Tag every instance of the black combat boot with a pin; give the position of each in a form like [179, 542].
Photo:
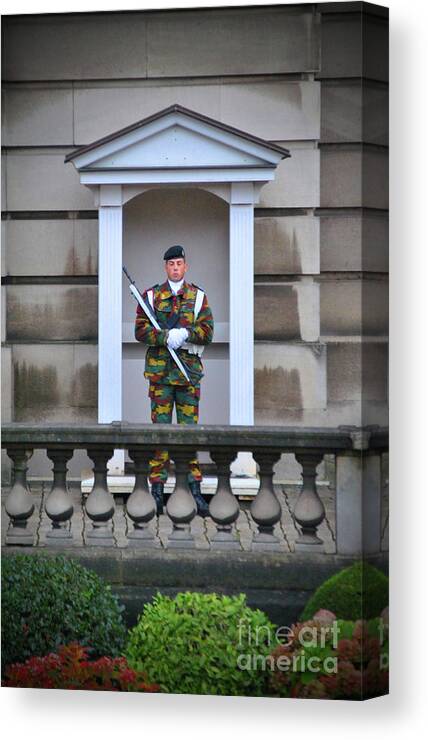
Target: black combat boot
[201, 504]
[157, 493]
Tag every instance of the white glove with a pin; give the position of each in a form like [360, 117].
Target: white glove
[184, 335]
[177, 337]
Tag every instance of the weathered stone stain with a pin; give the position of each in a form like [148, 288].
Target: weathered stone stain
[34, 388]
[72, 263]
[276, 312]
[277, 389]
[84, 387]
[44, 313]
[76, 265]
[295, 261]
[277, 249]
[90, 264]
[357, 372]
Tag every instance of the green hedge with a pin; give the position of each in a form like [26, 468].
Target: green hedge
[357, 592]
[52, 601]
[192, 644]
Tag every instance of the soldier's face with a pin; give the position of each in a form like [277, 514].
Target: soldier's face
[175, 269]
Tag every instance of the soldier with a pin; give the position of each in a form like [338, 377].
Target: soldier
[183, 312]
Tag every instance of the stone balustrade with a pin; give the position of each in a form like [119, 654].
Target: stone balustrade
[358, 482]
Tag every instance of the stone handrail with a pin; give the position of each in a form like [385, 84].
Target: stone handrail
[354, 447]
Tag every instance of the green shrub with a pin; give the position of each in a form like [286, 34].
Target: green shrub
[360, 591]
[192, 644]
[52, 601]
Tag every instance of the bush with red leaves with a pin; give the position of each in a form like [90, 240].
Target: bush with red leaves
[71, 669]
[349, 662]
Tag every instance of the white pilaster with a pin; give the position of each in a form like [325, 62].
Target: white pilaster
[110, 313]
[241, 304]
[241, 315]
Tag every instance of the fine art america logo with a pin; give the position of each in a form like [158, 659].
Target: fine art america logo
[310, 637]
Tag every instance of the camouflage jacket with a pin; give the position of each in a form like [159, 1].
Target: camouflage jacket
[160, 367]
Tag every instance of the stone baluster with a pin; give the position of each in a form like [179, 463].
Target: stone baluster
[19, 505]
[181, 507]
[266, 509]
[309, 509]
[59, 507]
[100, 503]
[141, 506]
[224, 507]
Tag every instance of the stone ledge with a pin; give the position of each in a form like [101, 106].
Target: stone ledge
[204, 568]
[278, 583]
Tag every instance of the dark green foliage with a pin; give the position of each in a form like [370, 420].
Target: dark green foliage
[357, 592]
[192, 644]
[52, 601]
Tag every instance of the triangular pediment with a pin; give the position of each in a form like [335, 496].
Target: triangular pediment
[177, 138]
[177, 146]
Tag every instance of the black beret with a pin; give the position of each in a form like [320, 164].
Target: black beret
[174, 253]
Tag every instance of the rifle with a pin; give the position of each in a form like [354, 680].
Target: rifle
[154, 322]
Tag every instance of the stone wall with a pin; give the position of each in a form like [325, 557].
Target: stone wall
[296, 75]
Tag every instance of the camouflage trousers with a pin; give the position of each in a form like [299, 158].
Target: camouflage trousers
[162, 398]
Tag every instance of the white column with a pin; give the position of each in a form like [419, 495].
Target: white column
[241, 304]
[241, 314]
[110, 313]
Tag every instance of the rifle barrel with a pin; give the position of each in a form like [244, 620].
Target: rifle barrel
[152, 318]
[127, 274]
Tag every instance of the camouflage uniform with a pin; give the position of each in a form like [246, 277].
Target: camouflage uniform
[167, 385]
